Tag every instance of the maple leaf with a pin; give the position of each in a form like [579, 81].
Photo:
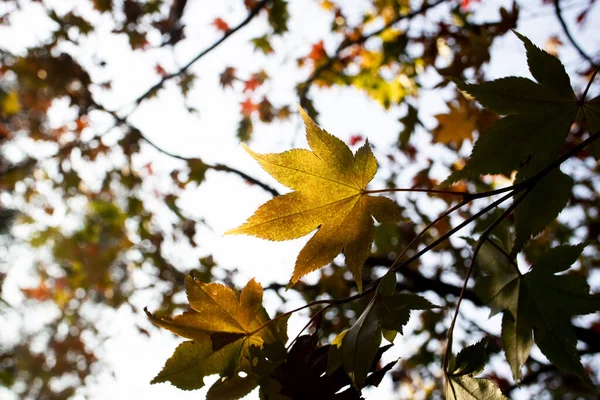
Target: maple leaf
[227, 77]
[538, 118]
[387, 313]
[460, 383]
[303, 374]
[251, 84]
[538, 300]
[248, 107]
[455, 126]
[329, 186]
[222, 325]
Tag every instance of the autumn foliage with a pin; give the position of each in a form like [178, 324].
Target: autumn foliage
[487, 207]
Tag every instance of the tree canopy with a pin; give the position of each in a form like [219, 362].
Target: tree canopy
[483, 201]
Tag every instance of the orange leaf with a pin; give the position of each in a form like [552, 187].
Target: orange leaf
[248, 107]
[317, 52]
[220, 24]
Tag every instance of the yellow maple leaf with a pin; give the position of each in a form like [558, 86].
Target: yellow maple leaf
[222, 325]
[455, 126]
[329, 186]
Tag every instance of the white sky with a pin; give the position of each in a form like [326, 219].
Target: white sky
[225, 200]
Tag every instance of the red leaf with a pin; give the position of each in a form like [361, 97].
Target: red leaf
[221, 25]
[160, 70]
[252, 83]
[317, 52]
[355, 139]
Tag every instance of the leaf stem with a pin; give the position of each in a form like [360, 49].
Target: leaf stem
[454, 230]
[565, 28]
[482, 240]
[416, 190]
[427, 228]
[310, 321]
[589, 84]
[329, 302]
[508, 257]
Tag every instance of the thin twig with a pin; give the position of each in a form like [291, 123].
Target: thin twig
[427, 228]
[482, 240]
[565, 28]
[417, 190]
[310, 321]
[253, 13]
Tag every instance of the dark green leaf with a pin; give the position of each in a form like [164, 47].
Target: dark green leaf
[541, 206]
[558, 259]
[547, 69]
[394, 310]
[410, 122]
[516, 341]
[591, 112]
[516, 95]
[471, 360]
[515, 141]
[360, 345]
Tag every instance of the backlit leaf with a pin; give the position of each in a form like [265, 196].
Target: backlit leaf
[542, 301]
[541, 206]
[547, 69]
[465, 387]
[456, 125]
[222, 325]
[538, 119]
[329, 184]
[357, 347]
[471, 360]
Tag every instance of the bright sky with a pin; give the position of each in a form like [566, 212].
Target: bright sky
[224, 200]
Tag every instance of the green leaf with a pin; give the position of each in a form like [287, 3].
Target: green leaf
[193, 360]
[410, 122]
[499, 284]
[516, 341]
[517, 140]
[394, 310]
[360, 345]
[471, 360]
[467, 388]
[558, 259]
[540, 206]
[334, 356]
[547, 69]
[591, 115]
[539, 117]
[233, 387]
[516, 95]
[541, 301]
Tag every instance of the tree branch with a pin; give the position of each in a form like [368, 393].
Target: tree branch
[253, 13]
[563, 24]
[363, 38]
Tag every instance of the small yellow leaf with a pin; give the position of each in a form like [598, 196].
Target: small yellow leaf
[329, 186]
[10, 103]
